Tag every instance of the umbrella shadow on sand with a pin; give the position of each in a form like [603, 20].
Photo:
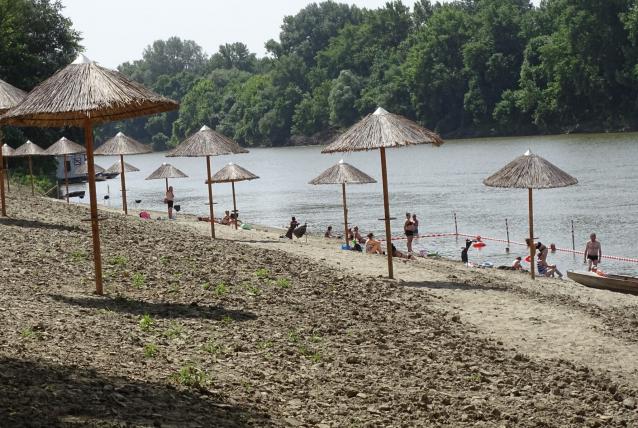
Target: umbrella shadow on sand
[35, 224]
[41, 394]
[434, 285]
[162, 310]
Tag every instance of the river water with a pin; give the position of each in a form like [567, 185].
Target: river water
[433, 182]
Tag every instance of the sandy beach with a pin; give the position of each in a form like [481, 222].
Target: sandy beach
[255, 330]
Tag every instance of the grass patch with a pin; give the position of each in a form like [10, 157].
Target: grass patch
[118, 261]
[262, 273]
[212, 348]
[192, 377]
[293, 336]
[30, 334]
[150, 350]
[174, 330]
[138, 280]
[146, 322]
[251, 290]
[283, 283]
[79, 256]
[227, 320]
[221, 289]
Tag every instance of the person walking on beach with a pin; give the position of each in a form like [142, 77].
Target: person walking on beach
[593, 252]
[293, 225]
[408, 229]
[169, 199]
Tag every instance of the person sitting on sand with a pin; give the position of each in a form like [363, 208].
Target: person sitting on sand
[350, 236]
[517, 263]
[328, 233]
[547, 270]
[398, 254]
[373, 246]
[226, 219]
[357, 235]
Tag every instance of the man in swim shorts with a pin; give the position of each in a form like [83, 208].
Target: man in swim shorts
[593, 252]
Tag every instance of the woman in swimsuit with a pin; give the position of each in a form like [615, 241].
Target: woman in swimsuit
[408, 229]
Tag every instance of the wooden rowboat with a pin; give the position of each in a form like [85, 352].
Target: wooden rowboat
[624, 284]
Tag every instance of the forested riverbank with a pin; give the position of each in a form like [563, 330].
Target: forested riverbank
[463, 68]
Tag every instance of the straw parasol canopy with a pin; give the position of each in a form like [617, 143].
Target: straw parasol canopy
[83, 169]
[382, 130]
[166, 171]
[530, 171]
[83, 94]
[10, 96]
[230, 174]
[65, 147]
[7, 150]
[29, 150]
[122, 145]
[207, 142]
[117, 168]
[343, 173]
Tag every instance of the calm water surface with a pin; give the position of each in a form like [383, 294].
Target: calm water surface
[434, 182]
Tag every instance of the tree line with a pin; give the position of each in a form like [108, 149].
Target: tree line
[464, 68]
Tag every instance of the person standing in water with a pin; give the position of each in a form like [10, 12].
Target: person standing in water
[408, 229]
[170, 199]
[593, 252]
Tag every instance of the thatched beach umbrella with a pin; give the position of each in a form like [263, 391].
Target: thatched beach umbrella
[6, 152]
[116, 168]
[29, 150]
[166, 171]
[84, 94]
[530, 172]
[343, 173]
[230, 174]
[10, 96]
[207, 142]
[84, 169]
[382, 130]
[65, 147]
[122, 145]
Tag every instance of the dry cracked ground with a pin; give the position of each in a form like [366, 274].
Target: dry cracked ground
[195, 332]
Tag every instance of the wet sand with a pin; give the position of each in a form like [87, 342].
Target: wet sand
[251, 329]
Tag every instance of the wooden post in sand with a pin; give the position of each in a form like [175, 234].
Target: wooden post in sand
[456, 226]
[31, 174]
[386, 213]
[345, 214]
[2, 200]
[66, 180]
[123, 180]
[234, 205]
[507, 232]
[532, 247]
[6, 168]
[210, 197]
[95, 229]
[573, 239]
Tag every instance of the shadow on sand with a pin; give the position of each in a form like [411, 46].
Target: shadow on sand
[35, 393]
[432, 285]
[162, 310]
[35, 224]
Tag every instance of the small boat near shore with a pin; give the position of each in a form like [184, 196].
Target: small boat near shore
[621, 283]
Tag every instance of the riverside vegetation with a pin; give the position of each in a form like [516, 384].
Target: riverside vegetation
[269, 339]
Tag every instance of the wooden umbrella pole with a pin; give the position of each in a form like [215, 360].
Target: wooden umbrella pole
[532, 247]
[345, 214]
[6, 161]
[66, 180]
[210, 198]
[166, 183]
[95, 229]
[386, 210]
[4, 208]
[123, 179]
[234, 205]
[31, 174]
